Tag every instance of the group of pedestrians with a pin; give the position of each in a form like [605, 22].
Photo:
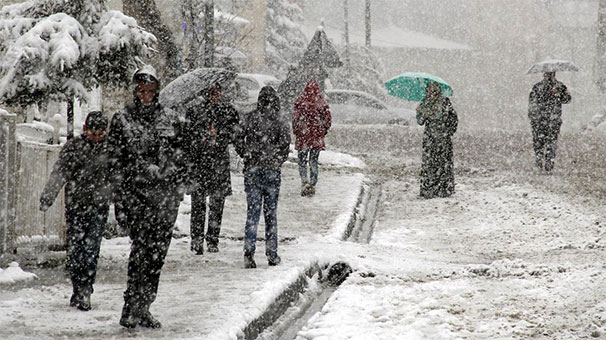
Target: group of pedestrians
[150, 156]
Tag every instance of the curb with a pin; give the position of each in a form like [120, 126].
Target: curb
[291, 294]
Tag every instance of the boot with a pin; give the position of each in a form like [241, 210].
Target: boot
[304, 189]
[212, 247]
[311, 190]
[274, 260]
[81, 298]
[84, 302]
[146, 319]
[129, 318]
[249, 261]
[197, 248]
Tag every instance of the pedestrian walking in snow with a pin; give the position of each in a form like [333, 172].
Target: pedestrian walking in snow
[147, 170]
[82, 168]
[438, 116]
[263, 143]
[210, 129]
[311, 122]
[545, 113]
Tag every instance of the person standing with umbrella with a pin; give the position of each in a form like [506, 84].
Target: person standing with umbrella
[212, 125]
[438, 116]
[146, 171]
[545, 113]
[311, 122]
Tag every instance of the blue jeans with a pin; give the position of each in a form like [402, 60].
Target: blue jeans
[262, 189]
[311, 156]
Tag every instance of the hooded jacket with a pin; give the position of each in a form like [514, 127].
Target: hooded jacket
[147, 163]
[264, 138]
[312, 118]
[82, 168]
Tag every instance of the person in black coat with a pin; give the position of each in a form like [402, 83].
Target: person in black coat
[82, 168]
[440, 119]
[147, 171]
[210, 128]
[263, 143]
[545, 113]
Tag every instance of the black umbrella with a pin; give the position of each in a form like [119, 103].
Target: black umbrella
[190, 85]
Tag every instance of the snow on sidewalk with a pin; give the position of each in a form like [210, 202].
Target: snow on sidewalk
[200, 297]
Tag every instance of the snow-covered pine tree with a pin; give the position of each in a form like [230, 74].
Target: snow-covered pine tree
[285, 39]
[364, 72]
[59, 49]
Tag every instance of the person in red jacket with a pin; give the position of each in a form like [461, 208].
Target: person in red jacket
[311, 121]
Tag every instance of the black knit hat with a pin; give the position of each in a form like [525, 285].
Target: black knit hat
[96, 120]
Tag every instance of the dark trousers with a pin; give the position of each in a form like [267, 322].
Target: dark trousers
[545, 142]
[198, 218]
[84, 234]
[151, 227]
[262, 189]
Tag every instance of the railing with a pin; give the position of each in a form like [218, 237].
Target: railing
[8, 174]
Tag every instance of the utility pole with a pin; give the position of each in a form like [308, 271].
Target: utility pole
[368, 23]
[601, 47]
[209, 33]
[346, 30]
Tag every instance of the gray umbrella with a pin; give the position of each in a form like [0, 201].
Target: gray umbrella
[553, 66]
[190, 85]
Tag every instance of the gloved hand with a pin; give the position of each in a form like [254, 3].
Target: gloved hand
[44, 206]
[153, 172]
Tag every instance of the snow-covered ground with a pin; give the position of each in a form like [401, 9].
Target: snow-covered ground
[514, 254]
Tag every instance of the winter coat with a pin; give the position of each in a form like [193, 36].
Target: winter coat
[82, 167]
[207, 134]
[311, 119]
[545, 101]
[439, 117]
[437, 173]
[147, 163]
[263, 141]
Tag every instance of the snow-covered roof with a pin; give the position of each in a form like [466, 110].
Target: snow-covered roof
[389, 37]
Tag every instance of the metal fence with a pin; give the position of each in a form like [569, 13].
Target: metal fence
[8, 174]
[24, 169]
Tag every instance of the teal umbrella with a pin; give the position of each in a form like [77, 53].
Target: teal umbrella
[411, 86]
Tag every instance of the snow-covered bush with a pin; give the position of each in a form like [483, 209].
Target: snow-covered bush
[60, 49]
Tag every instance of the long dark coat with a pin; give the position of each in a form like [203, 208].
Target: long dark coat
[207, 134]
[437, 175]
[545, 113]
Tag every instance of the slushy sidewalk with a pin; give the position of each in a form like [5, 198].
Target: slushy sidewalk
[200, 297]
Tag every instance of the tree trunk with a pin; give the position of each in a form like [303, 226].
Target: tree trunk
[368, 26]
[147, 15]
[601, 47]
[70, 118]
[346, 31]
[209, 33]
